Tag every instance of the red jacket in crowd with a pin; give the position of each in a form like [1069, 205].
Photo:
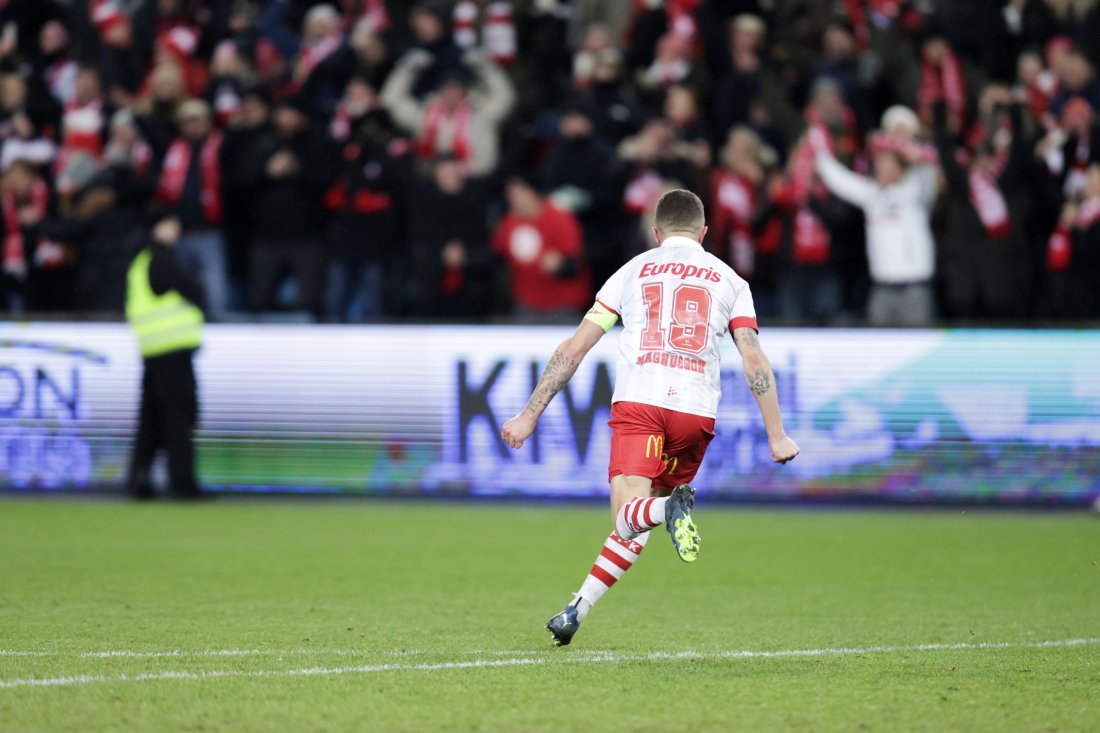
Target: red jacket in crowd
[526, 242]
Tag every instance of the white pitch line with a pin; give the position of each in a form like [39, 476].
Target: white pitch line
[185, 653]
[581, 657]
[123, 653]
[305, 672]
[188, 653]
[598, 656]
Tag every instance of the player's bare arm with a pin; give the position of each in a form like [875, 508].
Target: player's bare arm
[559, 370]
[761, 380]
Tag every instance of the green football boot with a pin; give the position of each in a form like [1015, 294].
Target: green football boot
[678, 522]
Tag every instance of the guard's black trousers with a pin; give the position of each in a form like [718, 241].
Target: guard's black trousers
[169, 414]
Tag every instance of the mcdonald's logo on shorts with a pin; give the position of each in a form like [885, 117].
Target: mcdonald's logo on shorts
[654, 446]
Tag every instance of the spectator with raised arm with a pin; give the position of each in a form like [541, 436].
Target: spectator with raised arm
[816, 228]
[1073, 254]
[989, 196]
[462, 118]
[366, 204]
[897, 203]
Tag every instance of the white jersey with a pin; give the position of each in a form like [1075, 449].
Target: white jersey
[900, 246]
[676, 302]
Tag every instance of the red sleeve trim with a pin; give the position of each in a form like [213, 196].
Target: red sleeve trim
[605, 305]
[744, 322]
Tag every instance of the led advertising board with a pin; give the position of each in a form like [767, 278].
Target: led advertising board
[905, 416]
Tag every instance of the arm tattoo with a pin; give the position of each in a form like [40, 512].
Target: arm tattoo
[748, 337]
[759, 381]
[558, 372]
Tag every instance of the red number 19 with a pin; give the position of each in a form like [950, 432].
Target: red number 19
[653, 337]
[690, 318]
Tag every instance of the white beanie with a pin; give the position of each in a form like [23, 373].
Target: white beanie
[900, 115]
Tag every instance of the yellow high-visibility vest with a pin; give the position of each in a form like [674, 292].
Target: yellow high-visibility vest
[163, 323]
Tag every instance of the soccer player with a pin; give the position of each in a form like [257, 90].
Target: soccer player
[676, 302]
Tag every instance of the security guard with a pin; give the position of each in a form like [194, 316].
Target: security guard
[164, 305]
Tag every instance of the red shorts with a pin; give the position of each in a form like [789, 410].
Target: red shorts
[661, 444]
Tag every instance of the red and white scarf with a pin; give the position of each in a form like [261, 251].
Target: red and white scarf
[802, 171]
[735, 196]
[59, 78]
[1040, 92]
[464, 22]
[94, 104]
[944, 82]
[1060, 244]
[990, 205]
[1059, 249]
[1078, 166]
[174, 175]
[880, 12]
[908, 149]
[82, 134]
[498, 32]
[309, 58]
[434, 115]
[226, 103]
[15, 249]
[810, 237]
[681, 18]
[981, 133]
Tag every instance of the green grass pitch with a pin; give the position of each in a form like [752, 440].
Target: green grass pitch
[377, 616]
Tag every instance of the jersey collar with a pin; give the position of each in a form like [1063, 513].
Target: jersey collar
[681, 242]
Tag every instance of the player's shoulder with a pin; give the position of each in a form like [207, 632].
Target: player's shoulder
[636, 262]
[727, 274]
[720, 265]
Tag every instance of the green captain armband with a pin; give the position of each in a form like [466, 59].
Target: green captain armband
[602, 316]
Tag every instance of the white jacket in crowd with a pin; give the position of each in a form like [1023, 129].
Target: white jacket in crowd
[900, 247]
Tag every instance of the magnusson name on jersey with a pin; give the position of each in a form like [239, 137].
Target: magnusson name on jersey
[650, 269]
[676, 361]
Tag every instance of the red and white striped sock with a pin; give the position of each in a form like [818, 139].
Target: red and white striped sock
[616, 557]
[640, 515]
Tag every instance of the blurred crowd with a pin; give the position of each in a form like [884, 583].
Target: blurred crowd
[881, 161]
